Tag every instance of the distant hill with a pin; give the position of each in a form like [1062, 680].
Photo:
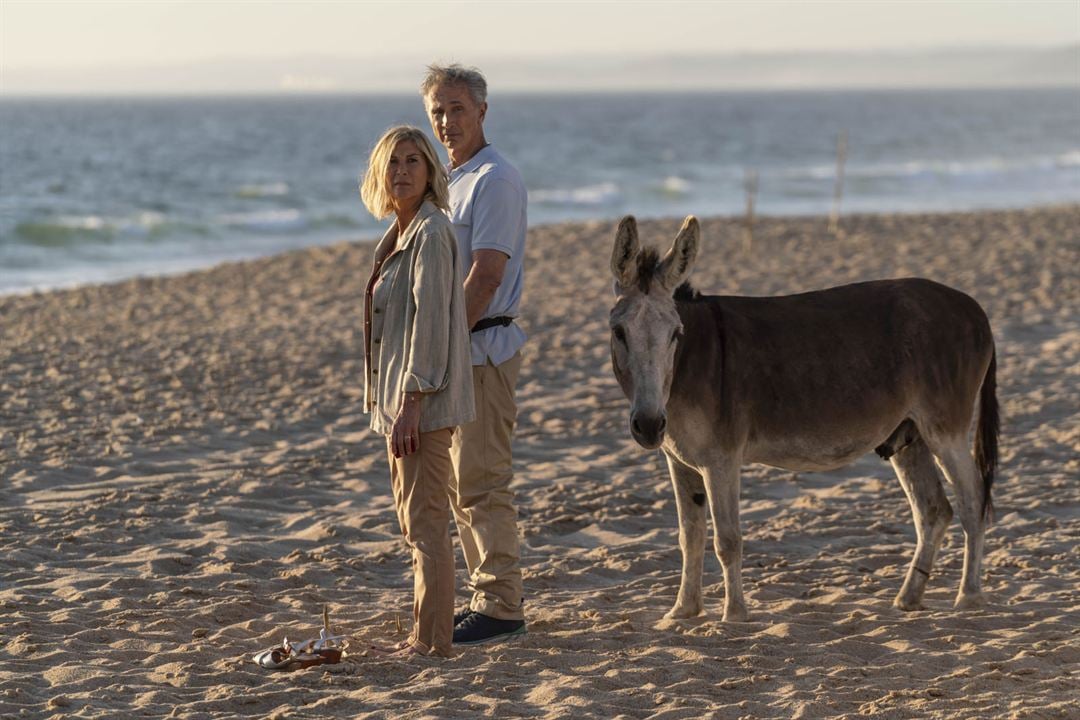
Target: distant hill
[975, 68]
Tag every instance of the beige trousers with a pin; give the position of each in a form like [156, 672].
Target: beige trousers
[420, 483]
[481, 497]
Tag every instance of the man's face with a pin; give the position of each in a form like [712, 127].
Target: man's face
[456, 119]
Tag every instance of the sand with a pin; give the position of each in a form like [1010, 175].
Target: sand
[186, 476]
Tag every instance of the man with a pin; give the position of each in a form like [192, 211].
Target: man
[487, 208]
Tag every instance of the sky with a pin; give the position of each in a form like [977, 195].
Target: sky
[110, 43]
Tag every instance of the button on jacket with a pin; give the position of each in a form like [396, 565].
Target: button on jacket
[416, 335]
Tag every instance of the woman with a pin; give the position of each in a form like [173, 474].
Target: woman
[418, 380]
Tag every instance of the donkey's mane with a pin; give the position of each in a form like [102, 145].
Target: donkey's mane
[687, 293]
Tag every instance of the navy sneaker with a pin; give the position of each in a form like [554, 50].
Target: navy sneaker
[459, 617]
[478, 628]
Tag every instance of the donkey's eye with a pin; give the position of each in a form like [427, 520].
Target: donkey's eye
[676, 336]
[619, 334]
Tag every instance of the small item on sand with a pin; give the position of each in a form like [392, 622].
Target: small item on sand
[326, 650]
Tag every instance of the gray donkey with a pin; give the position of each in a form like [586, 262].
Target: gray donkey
[805, 382]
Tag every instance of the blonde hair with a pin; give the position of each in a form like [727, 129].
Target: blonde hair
[374, 190]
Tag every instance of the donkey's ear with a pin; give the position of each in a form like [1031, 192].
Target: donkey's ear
[678, 261]
[623, 266]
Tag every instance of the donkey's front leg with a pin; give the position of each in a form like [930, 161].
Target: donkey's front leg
[722, 486]
[690, 501]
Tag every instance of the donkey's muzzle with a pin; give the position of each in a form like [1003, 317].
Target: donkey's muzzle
[648, 430]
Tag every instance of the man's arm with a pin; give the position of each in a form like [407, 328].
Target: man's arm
[483, 280]
[496, 215]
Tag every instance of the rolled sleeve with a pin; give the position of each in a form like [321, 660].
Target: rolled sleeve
[427, 363]
[497, 217]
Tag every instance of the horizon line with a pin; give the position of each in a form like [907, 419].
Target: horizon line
[527, 91]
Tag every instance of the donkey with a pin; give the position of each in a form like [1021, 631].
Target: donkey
[804, 382]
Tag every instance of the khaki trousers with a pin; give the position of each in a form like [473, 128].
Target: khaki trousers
[480, 493]
[420, 483]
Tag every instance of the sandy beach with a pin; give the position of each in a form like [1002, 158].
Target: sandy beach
[186, 476]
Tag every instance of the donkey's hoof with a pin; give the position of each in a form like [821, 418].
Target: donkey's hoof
[736, 615]
[908, 605]
[970, 601]
[682, 612]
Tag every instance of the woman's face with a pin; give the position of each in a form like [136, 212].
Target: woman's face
[407, 175]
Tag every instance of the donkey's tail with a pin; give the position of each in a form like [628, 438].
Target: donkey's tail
[986, 435]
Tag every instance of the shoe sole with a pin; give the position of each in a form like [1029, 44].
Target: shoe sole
[494, 638]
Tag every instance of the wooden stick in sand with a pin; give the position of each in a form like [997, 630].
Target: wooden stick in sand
[750, 183]
[838, 188]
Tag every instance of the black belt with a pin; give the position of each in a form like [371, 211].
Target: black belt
[502, 320]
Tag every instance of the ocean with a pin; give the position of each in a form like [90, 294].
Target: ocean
[95, 190]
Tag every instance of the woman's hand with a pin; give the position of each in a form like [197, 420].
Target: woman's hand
[405, 435]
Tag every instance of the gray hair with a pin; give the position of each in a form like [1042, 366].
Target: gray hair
[455, 74]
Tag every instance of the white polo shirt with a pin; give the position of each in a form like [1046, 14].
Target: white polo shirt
[488, 209]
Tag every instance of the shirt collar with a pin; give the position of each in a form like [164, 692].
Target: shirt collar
[472, 163]
[427, 209]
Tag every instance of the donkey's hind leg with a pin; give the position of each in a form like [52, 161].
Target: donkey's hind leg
[930, 508]
[955, 460]
[690, 502]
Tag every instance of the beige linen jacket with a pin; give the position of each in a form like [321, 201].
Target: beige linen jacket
[416, 335]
